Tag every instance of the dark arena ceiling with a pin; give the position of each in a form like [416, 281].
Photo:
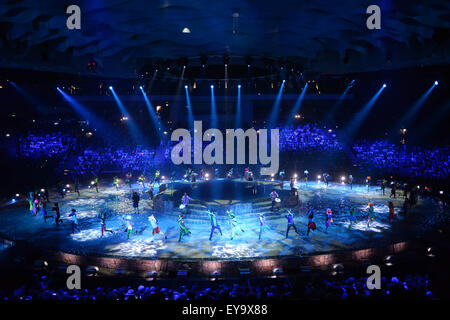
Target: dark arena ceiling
[122, 36]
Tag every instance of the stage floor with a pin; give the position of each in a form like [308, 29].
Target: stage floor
[17, 223]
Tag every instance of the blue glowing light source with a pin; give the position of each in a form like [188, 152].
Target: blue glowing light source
[141, 87]
[110, 88]
[212, 87]
[185, 87]
[384, 85]
[436, 83]
[284, 80]
[239, 86]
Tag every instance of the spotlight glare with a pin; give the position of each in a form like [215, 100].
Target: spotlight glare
[141, 87]
[110, 88]
[185, 87]
[212, 87]
[384, 85]
[239, 86]
[436, 83]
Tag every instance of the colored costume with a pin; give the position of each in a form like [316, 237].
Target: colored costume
[155, 227]
[391, 212]
[273, 196]
[311, 223]
[371, 214]
[329, 220]
[235, 227]
[352, 217]
[214, 224]
[262, 225]
[73, 214]
[184, 231]
[290, 223]
[136, 199]
[116, 183]
[103, 224]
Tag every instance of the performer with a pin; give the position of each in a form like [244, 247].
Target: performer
[393, 190]
[306, 172]
[383, 185]
[329, 220]
[371, 214]
[292, 185]
[282, 174]
[136, 200]
[246, 170]
[290, 222]
[184, 231]
[77, 187]
[214, 224]
[103, 223]
[141, 180]
[216, 173]
[326, 177]
[73, 214]
[155, 227]
[157, 177]
[368, 182]
[235, 227]
[391, 211]
[230, 174]
[46, 194]
[262, 224]
[350, 181]
[150, 191]
[35, 206]
[405, 207]
[185, 201]
[43, 209]
[30, 200]
[352, 216]
[311, 223]
[128, 178]
[273, 197]
[129, 229]
[58, 219]
[96, 183]
[116, 182]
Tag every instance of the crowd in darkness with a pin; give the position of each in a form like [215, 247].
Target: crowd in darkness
[308, 138]
[86, 158]
[310, 288]
[392, 159]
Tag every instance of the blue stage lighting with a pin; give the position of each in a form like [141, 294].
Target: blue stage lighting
[239, 86]
[110, 88]
[185, 87]
[284, 80]
[141, 87]
[436, 83]
[384, 85]
[212, 87]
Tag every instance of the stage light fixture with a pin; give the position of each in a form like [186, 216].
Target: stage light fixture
[384, 85]
[110, 88]
[239, 86]
[436, 83]
[212, 87]
[140, 87]
[185, 87]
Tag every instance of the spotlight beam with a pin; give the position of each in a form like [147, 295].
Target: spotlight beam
[238, 118]
[189, 107]
[297, 105]
[158, 125]
[338, 103]
[214, 121]
[357, 121]
[406, 119]
[276, 107]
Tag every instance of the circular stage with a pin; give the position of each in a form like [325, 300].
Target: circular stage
[19, 224]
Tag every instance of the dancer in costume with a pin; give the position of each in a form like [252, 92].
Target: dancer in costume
[43, 209]
[58, 219]
[46, 194]
[368, 178]
[329, 220]
[150, 191]
[352, 216]
[371, 214]
[262, 224]
[393, 190]
[157, 177]
[185, 201]
[30, 200]
[116, 182]
[214, 223]
[273, 197]
[306, 172]
[136, 200]
[282, 174]
[326, 178]
[383, 186]
[234, 224]
[128, 178]
[311, 223]
[73, 214]
[290, 222]
[155, 227]
[95, 184]
[230, 174]
[103, 223]
[391, 211]
[141, 180]
[350, 181]
[184, 231]
[129, 230]
[35, 206]
[77, 187]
